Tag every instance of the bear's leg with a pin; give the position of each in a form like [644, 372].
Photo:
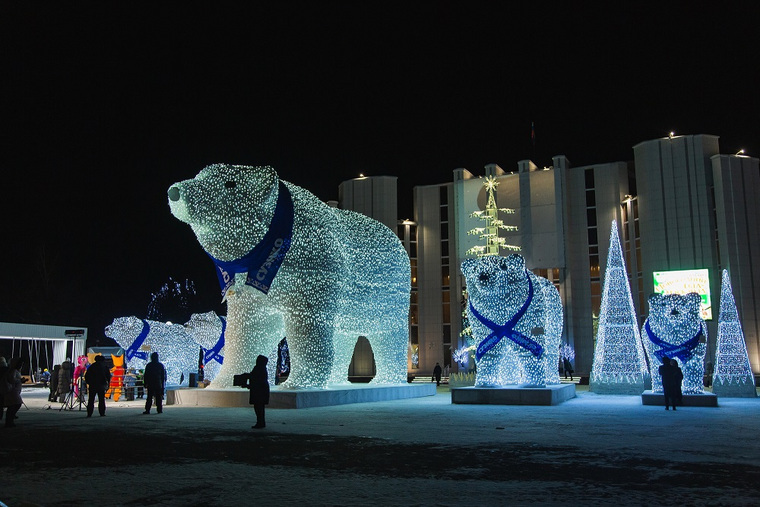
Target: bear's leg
[534, 369]
[253, 329]
[310, 342]
[493, 369]
[389, 349]
[552, 362]
[343, 351]
[509, 368]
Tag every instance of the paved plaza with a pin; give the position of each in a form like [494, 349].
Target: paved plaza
[590, 450]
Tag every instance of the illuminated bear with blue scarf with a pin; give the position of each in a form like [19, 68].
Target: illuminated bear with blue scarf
[140, 337]
[289, 265]
[516, 319]
[675, 329]
[207, 330]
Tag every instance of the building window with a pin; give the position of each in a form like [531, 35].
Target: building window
[444, 195]
[589, 178]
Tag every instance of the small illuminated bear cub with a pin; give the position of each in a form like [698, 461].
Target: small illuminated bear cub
[207, 330]
[516, 320]
[674, 328]
[140, 337]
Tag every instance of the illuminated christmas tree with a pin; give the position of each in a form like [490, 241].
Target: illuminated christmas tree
[733, 374]
[493, 224]
[619, 364]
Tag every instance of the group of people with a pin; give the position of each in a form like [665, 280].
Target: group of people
[672, 377]
[98, 377]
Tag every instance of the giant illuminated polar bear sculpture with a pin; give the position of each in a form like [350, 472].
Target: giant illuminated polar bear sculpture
[516, 320]
[675, 329]
[290, 265]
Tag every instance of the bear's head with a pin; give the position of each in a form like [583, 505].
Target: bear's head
[672, 313]
[493, 277]
[205, 328]
[82, 361]
[229, 207]
[117, 360]
[124, 330]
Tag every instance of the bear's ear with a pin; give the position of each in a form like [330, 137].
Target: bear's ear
[516, 260]
[654, 298]
[694, 301]
[469, 267]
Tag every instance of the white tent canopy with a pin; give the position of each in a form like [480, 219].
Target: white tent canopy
[34, 342]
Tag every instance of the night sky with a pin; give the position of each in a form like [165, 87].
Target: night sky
[102, 108]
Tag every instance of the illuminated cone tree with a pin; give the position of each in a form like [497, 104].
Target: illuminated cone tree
[619, 364]
[733, 375]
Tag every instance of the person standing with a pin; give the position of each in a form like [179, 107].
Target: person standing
[12, 387]
[258, 383]
[667, 374]
[53, 398]
[3, 385]
[65, 376]
[437, 374]
[677, 382]
[154, 379]
[568, 367]
[97, 378]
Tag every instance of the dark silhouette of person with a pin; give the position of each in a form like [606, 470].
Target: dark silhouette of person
[668, 380]
[258, 383]
[154, 379]
[437, 374]
[3, 371]
[568, 367]
[677, 382]
[54, 383]
[97, 377]
[65, 377]
[12, 391]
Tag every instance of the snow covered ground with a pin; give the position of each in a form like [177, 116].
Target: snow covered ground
[591, 450]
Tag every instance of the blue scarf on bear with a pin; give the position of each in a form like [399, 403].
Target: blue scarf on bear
[507, 330]
[682, 351]
[264, 259]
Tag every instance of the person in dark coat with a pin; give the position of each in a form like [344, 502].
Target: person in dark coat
[258, 383]
[97, 377]
[12, 391]
[568, 367]
[667, 374]
[677, 382]
[65, 377]
[154, 379]
[437, 374]
[3, 371]
[54, 384]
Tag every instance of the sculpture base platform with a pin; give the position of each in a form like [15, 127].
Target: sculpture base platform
[513, 395]
[688, 400]
[302, 398]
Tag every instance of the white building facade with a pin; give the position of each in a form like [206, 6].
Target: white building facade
[680, 205]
